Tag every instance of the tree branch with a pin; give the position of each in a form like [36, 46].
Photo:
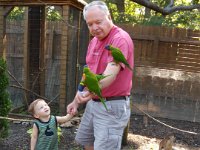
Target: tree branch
[30, 91]
[171, 4]
[180, 8]
[167, 10]
[23, 88]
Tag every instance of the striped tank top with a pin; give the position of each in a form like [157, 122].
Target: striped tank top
[47, 134]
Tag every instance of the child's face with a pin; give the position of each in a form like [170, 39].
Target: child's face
[42, 109]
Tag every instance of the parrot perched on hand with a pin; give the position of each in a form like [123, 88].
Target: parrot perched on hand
[118, 55]
[91, 81]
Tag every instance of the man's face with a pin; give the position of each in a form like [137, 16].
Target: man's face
[98, 22]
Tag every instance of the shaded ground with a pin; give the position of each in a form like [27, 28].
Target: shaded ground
[139, 137]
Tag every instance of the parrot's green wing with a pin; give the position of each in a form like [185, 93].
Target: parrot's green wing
[92, 83]
[118, 56]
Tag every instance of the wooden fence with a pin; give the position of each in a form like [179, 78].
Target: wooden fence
[167, 71]
[76, 49]
[167, 68]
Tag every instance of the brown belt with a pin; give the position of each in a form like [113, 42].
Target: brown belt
[111, 98]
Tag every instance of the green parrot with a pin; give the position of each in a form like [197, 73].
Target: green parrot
[118, 56]
[91, 81]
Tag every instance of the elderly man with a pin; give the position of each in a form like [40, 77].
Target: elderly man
[102, 129]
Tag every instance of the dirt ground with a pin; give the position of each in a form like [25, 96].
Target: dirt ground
[139, 137]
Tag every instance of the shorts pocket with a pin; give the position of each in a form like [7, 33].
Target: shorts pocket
[116, 109]
[114, 139]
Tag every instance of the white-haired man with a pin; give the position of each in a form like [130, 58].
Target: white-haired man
[102, 129]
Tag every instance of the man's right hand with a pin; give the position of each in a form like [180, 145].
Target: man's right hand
[72, 108]
[83, 97]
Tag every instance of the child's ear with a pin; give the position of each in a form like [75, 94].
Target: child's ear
[36, 116]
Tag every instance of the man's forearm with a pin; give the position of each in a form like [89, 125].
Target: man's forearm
[111, 72]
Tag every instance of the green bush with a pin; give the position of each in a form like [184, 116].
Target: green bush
[5, 103]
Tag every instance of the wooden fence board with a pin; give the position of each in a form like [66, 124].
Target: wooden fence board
[176, 52]
[167, 65]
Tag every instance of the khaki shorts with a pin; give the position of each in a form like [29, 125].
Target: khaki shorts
[104, 129]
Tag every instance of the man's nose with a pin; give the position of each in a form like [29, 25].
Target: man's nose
[94, 27]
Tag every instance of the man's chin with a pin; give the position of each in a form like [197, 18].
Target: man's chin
[100, 37]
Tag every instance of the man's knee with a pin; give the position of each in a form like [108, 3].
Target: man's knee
[88, 148]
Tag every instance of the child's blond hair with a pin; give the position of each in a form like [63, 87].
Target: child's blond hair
[31, 108]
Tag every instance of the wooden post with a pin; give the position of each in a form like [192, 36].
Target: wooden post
[1, 31]
[35, 51]
[42, 59]
[26, 54]
[63, 60]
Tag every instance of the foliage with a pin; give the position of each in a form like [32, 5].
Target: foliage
[184, 20]
[18, 14]
[132, 12]
[5, 103]
[135, 14]
[156, 20]
[53, 14]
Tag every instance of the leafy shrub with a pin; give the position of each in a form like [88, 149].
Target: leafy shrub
[5, 103]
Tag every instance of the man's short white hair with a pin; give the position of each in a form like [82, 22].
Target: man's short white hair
[100, 4]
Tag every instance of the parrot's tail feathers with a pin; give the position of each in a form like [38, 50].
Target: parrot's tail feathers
[106, 76]
[103, 102]
[130, 68]
[100, 77]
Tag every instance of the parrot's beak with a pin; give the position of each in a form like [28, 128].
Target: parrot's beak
[84, 76]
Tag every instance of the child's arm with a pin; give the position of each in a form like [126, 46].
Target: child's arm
[34, 137]
[63, 119]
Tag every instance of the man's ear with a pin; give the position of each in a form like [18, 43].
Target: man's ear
[109, 17]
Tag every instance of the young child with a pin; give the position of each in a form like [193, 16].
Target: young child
[44, 134]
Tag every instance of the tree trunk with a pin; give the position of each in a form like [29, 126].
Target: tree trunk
[125, 134]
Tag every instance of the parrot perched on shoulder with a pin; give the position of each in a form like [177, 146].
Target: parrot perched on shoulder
[118, 55]
[91, 81]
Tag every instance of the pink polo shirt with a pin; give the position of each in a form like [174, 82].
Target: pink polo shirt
[98, 57]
